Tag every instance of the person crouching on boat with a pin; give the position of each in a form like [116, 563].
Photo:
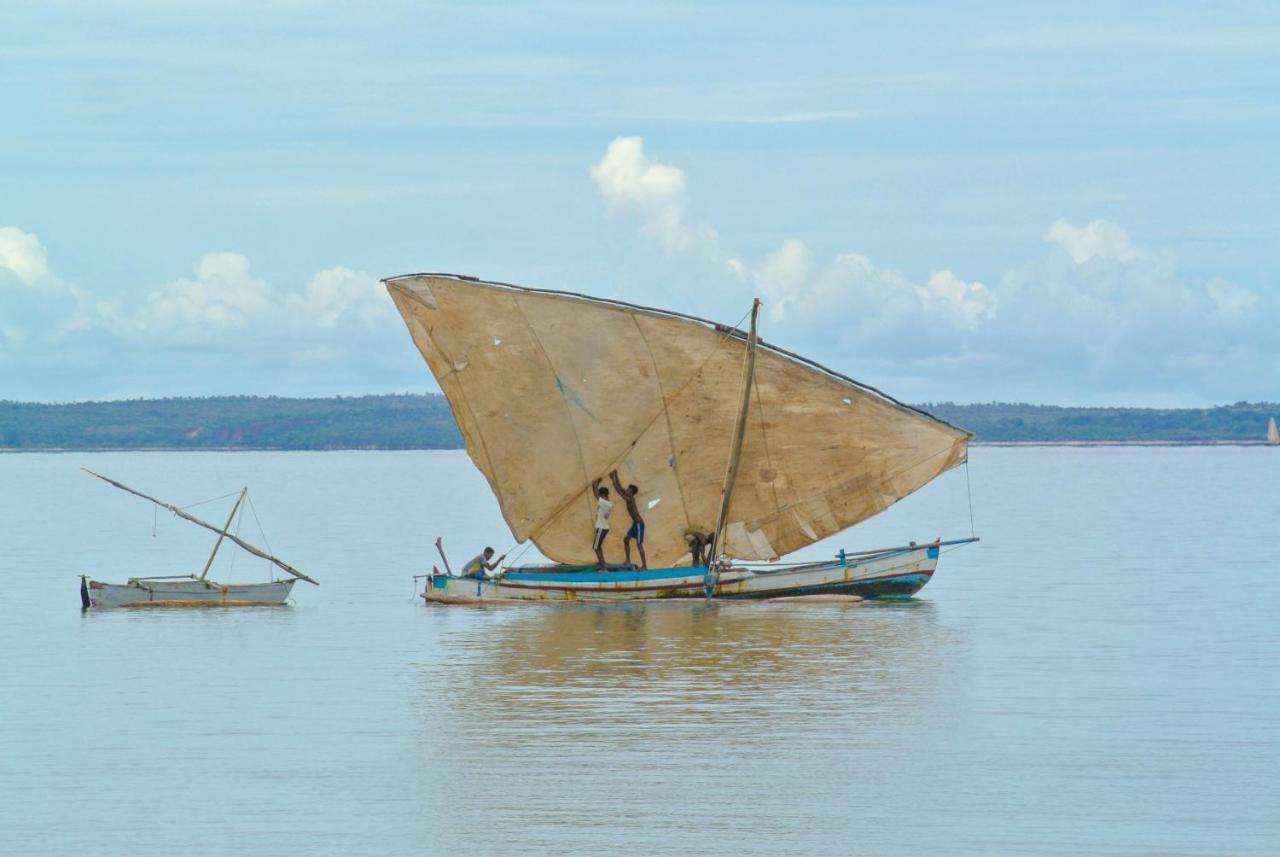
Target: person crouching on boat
[636, 532]
[698, 546]
[603, 508]
[480, 564]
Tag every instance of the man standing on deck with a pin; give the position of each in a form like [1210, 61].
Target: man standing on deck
[637, 523]
[603, 508]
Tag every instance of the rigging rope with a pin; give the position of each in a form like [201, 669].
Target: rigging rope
[211, 500]
[261, 532]
[239, 520]
[969, 489]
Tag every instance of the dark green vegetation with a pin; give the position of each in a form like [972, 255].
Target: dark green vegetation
[233, 422]
[424, 422]
[1000, 422]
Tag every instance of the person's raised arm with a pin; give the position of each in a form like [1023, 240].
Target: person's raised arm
[617, 486]
[595, 488]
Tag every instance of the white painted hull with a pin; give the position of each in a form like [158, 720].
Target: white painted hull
[895, 573]
[185, 593]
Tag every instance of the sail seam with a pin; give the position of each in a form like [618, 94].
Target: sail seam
[577, 440]
[666, 413]
[764, 439]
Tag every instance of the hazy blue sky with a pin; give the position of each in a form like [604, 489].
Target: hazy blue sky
[978, 201]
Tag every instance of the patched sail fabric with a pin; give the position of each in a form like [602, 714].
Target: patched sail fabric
[552, 391]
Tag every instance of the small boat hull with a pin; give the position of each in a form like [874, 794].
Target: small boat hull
[183, 593]
[898, 573]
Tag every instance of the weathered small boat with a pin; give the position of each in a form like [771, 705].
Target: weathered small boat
[888, 573]
[735, 443]
[191, 590]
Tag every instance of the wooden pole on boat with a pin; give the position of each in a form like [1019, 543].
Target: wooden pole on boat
[440, 547]
[222, 535]
[739, 433]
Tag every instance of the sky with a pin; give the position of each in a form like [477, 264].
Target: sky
[951, 202]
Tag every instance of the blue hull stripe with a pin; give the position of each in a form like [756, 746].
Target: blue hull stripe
[621, 576]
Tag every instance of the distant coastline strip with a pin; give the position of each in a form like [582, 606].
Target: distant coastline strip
[424, 421]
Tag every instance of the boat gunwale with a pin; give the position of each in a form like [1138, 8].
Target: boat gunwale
[682, 581]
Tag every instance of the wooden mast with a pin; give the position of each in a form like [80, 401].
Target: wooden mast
[222, 535]
[739, 433]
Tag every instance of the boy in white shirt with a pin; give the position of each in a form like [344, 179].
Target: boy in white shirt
[603, 508]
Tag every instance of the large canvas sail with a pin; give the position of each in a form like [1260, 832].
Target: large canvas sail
[1273, 434]
[553, 390]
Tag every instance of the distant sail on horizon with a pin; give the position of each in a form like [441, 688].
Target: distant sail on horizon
[1273, 434]
[552, 390]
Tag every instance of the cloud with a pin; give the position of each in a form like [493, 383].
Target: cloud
[963, 305]
[1229, 300]
[853, 299]
[629, 181]
[1098, 238]
[222, 312]
[338, 296]
[23, 255]
[223, 297]
[1096, 318]
[782, 276]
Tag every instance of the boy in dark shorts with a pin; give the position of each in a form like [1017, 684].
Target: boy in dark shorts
[636, 532]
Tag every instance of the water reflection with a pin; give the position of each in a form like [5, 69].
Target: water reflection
[660, 704]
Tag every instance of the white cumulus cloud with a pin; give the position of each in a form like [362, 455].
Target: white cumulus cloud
[22, 253]
[1097, 239]
[1099, 316]
[340, 295]
[630, 181]
[223, 296]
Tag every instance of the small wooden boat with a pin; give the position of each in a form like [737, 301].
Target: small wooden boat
[736, 444]
[889, 573]
[191, 590]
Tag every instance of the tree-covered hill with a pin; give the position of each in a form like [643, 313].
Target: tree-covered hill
[425, 422]
[1001, 422]
[233, 422]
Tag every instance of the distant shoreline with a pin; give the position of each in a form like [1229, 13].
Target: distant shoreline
[1122, 443]
[425, 421]
[1006, 444]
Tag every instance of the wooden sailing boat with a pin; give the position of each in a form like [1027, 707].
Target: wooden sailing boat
[757, 449]
[1273, 434]
[191, 590]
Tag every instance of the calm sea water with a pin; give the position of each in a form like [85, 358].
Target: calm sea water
[1097, 676]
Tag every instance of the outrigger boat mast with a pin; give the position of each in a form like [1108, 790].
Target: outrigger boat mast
[222, 532]
[191, 590]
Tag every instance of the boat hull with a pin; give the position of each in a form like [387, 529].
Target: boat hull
[183, 593]
[890, 574]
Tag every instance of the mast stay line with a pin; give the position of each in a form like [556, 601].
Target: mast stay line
[284, 566]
